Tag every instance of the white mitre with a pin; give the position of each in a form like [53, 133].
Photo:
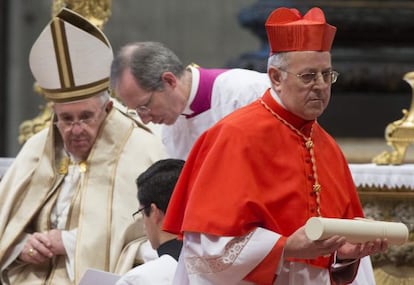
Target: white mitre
[71, 58]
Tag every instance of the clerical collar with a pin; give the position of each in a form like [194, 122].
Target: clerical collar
[194, 86]
[171, 247]
[201, 101]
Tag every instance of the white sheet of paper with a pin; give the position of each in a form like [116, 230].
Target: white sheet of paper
[94, 276]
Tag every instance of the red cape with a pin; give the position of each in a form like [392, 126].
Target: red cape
[250, 170]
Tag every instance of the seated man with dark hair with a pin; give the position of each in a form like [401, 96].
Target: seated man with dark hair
[155, 187]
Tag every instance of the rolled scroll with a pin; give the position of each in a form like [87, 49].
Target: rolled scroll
[356, 230]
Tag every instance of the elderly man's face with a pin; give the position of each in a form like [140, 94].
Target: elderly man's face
[305, 99]
[78, 123]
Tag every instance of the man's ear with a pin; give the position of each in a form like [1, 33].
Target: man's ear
[169, 78]
[109, 106]
[156, 213]
[275, 76]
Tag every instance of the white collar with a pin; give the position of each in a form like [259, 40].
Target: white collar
[194, 87]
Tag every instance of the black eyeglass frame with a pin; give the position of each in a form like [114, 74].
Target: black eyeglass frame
[139, 211]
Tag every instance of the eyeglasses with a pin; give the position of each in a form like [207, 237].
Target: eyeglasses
[144, 109]
[139, 211]
[328, 77]
[67, 125]
[88, 120]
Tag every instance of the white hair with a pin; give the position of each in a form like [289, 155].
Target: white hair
[104, 96]
[278, 60]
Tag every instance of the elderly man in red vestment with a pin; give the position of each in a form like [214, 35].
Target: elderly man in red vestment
[253, 180]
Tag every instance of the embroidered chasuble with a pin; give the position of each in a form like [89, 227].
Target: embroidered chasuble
[98, 207]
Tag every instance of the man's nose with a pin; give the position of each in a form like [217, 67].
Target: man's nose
[319, 78]
[77, 127]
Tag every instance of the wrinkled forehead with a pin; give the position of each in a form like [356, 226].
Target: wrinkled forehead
[308, 57]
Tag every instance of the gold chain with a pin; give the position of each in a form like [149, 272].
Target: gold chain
[309, 146]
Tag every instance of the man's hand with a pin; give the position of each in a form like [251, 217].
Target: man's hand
[37, 249]
[40, 247]
[299, 246]
[355, 251]
[55, 237]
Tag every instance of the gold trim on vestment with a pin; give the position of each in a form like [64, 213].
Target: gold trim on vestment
[63, 60]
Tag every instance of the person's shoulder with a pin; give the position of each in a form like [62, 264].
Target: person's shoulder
[33, 149]
[145, 134]
[247, 73]
[158, 271]
[41, 135]
[130, 120]
[36, 140]
[239, 123]
[244, 81]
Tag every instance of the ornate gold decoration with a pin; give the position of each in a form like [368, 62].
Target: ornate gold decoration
[83, 166]
[65, 162]
[29, 127]
[64, 165]
[96, 11]
[396, 265]
[399, 134]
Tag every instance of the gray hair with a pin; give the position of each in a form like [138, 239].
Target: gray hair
[104, 96]
[147, 62]
[279, 60]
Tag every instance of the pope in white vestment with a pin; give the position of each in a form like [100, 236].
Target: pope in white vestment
[67, 199]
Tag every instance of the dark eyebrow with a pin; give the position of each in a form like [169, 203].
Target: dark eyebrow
[64, 115]
[87, 112]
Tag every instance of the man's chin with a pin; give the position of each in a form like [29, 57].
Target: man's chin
[80, 151]
[169, 122]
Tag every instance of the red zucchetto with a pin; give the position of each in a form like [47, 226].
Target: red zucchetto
[287, 30]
